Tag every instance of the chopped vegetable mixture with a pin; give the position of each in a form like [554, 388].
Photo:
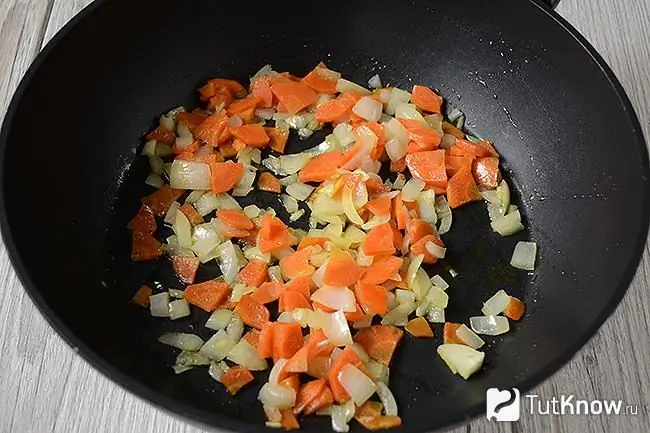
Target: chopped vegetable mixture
[344, 291]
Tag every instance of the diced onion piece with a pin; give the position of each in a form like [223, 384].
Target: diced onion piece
[359, 386]
[342, 415]
[436, 314]
[409, 111]
[189, 175]
[175, 293]
[252, 211]
[181, 341]
[183, 230]
[403, 296]
[461, 359]
[398, 316]
[503, 192]
[426, 205]
[435, 122]
[489, 325]
[442, 207]
[289, 203]
[218, 346]
[157, 165]
[154, 180]
[445, 225]
[248, 155]
[191, 359]
[395, 149]
[234, 122]
[254, 253]
[292, 164]
[227, 202]
[336, 298]
[438, 281]
[491, 196]
[275, 274]
[246, 355]
[438, 297]
[277, 396]
[336, 329]
[421, 285]
[245, 184]
[524, 256]
[395, 130]
[179, 309]
[497, 304]
[343, 85]
[300, 191]
[375, 82]
[368, 108]
[235, 328]
[344, 134]
[376, 371]
[397, 97]
[354, 234]
[228, 261]
[219, 319]
[400, 181]
[508, 225]
[469, 337]
[265, 113]
[215, 371]
[159, 305]
[436, 250]
[349, 208]
[274, 164]
[387, 399]
[207, 203]
[447, 141]
[412, 189]
[149, 148]
[412, 270]
[170, 217]
[194, 196]
[361, 352]
[276, 370]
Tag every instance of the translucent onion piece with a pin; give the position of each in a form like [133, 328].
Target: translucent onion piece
[375, 82]
[489, 325]
[149, 148]
[273, 415]
[469, 337]
[219, 319]
[336, 329]
[436, 250]
[245, 185]
[397, 97]
[252, 211]
[461, 359]
[404, 296]
[227, 202]
[398, 316]
[438, 281]
[189, 175]
[503, 191]
[277, 396]
[254, 253]
[275, 274]
[492, 197]
[179, 309]
[438, 297]
[336, 298]
[426, 205]
[355, 235]
[207, 203]
[215, 371]
[400, 181]
[292, 164]
[343, 85]
[368, 108]
[344, 135]
[228, 261]
[246, 355]
[191, 359]
[341, 416]
[170, 217]
[508, 225]
[317, 278]
[234, 122]
[387, 399]
[276, 370]
[447, 141]
[361, 352]
[396, 131]
[497, 304]
[362, 259]
[168, 123]
[376, 370]
[415, 264]
[235, 329]
[182, 341]
[359, 386]
[409, 111]
[445, 225]
[218, 346]
[412, 189]
[436, 314]
[300, 191]
[348, 206]
[248, 155]
[435, 122]
[159, 305]
[524, 256]
[154, 180]
[442, 207]
[183, 230]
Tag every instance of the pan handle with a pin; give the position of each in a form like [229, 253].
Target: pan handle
[552, 3]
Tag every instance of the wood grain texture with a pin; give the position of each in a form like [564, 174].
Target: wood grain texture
[46, 387]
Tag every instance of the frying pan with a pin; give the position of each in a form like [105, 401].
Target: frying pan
[571, 145]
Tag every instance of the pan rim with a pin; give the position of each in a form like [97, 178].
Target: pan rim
[200, 417]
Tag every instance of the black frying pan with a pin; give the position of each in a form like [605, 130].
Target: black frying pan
[570, 142]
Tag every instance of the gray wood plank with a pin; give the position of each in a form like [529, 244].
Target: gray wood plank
[47, 388]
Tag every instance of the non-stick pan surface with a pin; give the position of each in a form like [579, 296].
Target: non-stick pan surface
[570, 142]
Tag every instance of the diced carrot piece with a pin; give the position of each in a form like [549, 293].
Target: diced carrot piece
[253, 135]
[238, 145]
[398, 166]
[221, 99]
[369, 409]
[298, 362]
[372, 297]
[289, 421]
[418, 229]
[252, 313]
[379, 341]
[379, 206]
[419, 327]
[375, 185]
[309, 392]
[515, 309]
[143, 221]
[210, 130]
[191, 120]
[229, 304]
[208, 295]
[381, 269]
[145, 247]
[454, 163]
[462, 189]
[486, 172]
[342, 270]
[335, 109]
[379, 241]
[160, 201]
[324, 399]
[235, 218]
[252, 337]
[287, 340]
[320, 82]
[302, 285]
[227, 151]
[426, 99]
[309, 241]
[273, 235]
[279, 138]
[241, 105]
[348, 356]
[269, 183]
[225, 175]
[356, 315]
[265, 342]
[318, 344]
[261, 88]
[450, 129]
[428, 166]
[141, 297]
[291, 300]
[162, 135]
[426, 138]
[383, 422]
[268, 292]
[227, 231]
[192, 215]
[321, 167]
[231, 85]
[185, 267]
[254, 274]
[398, 239]
[236, 378]
[195, 146]
[449, 333]
[296, 264]
[420, 247]
[468, 148]
[248, 116]
[294, 95]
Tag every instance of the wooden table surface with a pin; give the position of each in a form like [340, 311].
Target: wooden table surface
[46, 387]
